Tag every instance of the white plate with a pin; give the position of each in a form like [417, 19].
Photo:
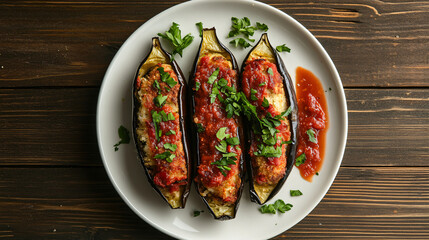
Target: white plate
[114, 109]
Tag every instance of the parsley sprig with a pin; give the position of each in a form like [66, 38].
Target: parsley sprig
[124, 135]
[228, 158]
[174, 35]
[244, 27]
[278, 205]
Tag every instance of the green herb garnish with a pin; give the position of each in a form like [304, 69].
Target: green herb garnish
[200, 127]
[156, 119]
[213, 77]
[174, 35]
[167, 156]
[159, 100]
[265, 103]
[262, 84]
[170, 117]
[156, 85]
[317, 173]
[171, 147]
[165, 77]
[221, 133]
[283, 48]
[233, 141]
[300, 160]
[279, 205]
[294, 193]
[262, 26]
[240, 42]
[170, 132]
[200, 28]
[223, 163]
[197, 213]
[311, 135]
[124, 135]
[270, 71]
[222, 147]
[197, 86]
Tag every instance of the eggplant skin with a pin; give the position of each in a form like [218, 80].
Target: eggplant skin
[264, 50]
[211, 46]
[157, 55]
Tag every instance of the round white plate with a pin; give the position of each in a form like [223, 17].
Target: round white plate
[115, 107]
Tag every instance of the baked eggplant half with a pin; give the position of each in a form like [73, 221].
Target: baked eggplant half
[272, 137]
[159, 131]
[217, 133]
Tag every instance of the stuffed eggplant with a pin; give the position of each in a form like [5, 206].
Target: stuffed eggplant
[159, 92]
[272, 136]
[217, 133]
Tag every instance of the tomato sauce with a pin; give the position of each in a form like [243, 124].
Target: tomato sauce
[312, 112]
[212, 116]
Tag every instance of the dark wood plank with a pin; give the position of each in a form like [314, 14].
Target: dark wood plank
[81, 203]
[49, 43]
[63, 120]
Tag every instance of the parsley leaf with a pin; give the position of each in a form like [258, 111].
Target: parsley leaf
[200, 127]
[171, 147]
[213, 77]
[262, 26]
[270, 71]
[221, 133]
[170, 132]
[310, 132]
[124, 135]
[174, 35]
[222, 147]
[167, 156]
[294, 193]
[200, 28]
[283, 48]
[240, 42]
[262, 84]
[197, 213]
[156, 119]
[233, 141]
[159, 100]
[223, 163]
[197, 86]
[279, 205]
[265, 103]
[300, 160]
[165, 77]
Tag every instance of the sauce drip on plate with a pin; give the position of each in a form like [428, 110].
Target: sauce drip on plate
[313, 121]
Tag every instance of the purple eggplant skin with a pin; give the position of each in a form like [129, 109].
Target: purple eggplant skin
[184, 118]
[293, 120]
[194, 132]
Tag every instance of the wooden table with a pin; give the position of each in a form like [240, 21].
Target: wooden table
[53, 56]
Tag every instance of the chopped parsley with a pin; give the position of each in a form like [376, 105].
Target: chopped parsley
[252, 94]
[159, 100]
[200, 28]
[156, 85]
[300, 160]
[295, 193]
[265, 103]
[278, 205]
[200, 127]
[156, 119]
[165, 77]
[197, 213]
[124, 135]
[213, 77]
[197, 86]
[283, 48]
[167, 156]
[270, 71]
[222, 147]
[317, 173]
[244, 27]
[262, 84]
[221, 133]
[310, 132]
[171, 147]
[233, 141]
[174, 35]
[170, 132]
[262, 26]
[223, 163]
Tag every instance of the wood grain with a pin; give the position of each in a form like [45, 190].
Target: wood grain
[375, 203]
[48, 43]
[64, 121]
